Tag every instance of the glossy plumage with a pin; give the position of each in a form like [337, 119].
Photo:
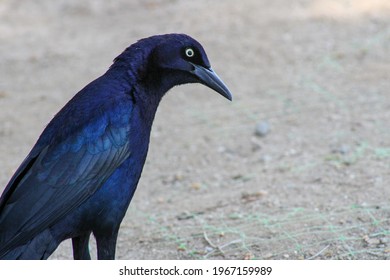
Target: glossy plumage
[81, 174]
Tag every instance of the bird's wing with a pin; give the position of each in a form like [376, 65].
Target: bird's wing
[56, 178]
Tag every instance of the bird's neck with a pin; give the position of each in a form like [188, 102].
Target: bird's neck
[147, 102]
[149, 92]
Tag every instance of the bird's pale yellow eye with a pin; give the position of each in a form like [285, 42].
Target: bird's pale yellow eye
[189, 52]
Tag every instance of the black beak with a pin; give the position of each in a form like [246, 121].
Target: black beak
[209, 78]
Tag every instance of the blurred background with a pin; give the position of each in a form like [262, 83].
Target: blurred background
[296, 167]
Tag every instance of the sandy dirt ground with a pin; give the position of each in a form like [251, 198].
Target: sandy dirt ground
[312, 75]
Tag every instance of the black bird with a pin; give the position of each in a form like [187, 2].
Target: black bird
[82, 172]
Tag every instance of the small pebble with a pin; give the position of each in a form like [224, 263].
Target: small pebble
[267, 256]
[342, 149]
[208, 249]
[3, 94]
[265, 158]
[196, 186]
[178, 177]
[262, 129]
[249, 256]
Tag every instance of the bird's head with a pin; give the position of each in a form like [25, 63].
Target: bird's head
[181, 59]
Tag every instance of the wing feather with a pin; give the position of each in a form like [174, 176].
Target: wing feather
[55, 179]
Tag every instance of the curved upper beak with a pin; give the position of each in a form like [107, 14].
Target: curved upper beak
[209, 78]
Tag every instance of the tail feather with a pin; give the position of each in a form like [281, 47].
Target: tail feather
[38, 248]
